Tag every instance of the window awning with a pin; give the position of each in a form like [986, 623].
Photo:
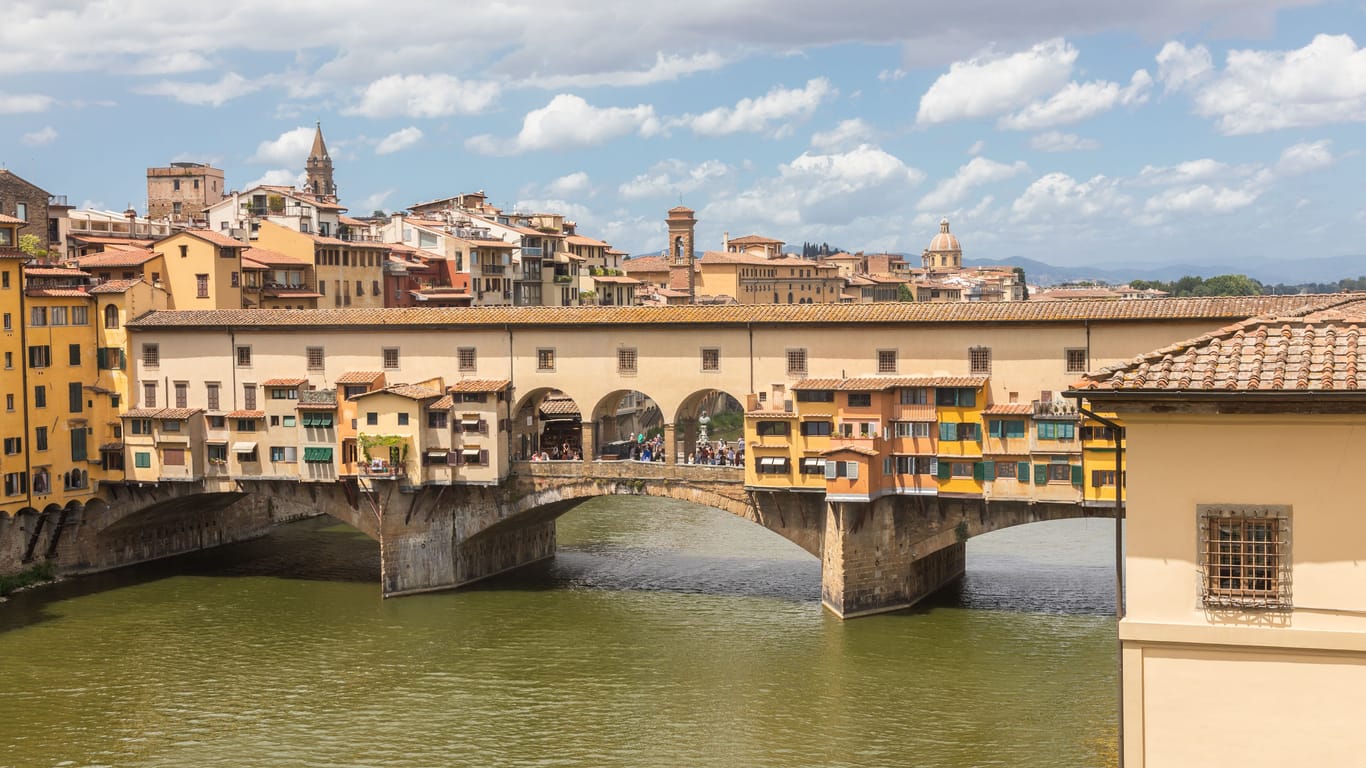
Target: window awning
[317, 454]
[441, 454]
[243, 447]
[316, 419]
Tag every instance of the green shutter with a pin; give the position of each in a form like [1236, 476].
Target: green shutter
[947, 430]
[1041, 474]
[323, 420]
[306, 420]
[1022, 471]
[979, 472]
[102, 358]
[1076, 474]
[317, 454]
[944, 469]
[142, 460]
[1015, 429]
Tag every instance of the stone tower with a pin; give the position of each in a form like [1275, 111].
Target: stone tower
[319, 168]
[944, 252]
[682, 271]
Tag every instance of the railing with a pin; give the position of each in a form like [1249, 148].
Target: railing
[492, 269]
[381, 470]
[1055, 408]
[56, 200]
[532, 251]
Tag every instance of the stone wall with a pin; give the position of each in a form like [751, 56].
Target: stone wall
[16, 190]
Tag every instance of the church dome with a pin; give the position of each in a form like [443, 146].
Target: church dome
[945, 241]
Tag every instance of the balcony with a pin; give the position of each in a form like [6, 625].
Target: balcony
[492, 269]
[1055, 408]
[533, 252]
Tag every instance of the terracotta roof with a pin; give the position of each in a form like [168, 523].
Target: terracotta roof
[284, 382]
[350, 377]
[581, 240]
[221, 240]
[479, 385]
[645, 264]
[860, 449]
[410, 391]
[878, 383]
[55, 272]
[318, 406]
[108, 240]
[7, 219]
[132, 257]
[140, 413]
[615, 279]
[13, 253]
[64, 293]
[442, 404]
[115, 286]
[246, 415]
[1008, 409]
[1228, 308]
[1320, 351]
[350, 222]
[267, 257]
[559, 406]
[754, 240]
[178, 413]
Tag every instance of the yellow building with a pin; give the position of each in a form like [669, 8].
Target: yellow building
[1243, 637]
[202, 269]
[13, 419]
[350, 273]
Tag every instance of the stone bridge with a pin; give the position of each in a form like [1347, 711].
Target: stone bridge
[875, 557]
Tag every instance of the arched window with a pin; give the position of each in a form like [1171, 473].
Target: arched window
[775, 297]
[789, 297]
[111, 316]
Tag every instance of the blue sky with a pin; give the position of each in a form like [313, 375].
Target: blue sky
[1072, 131]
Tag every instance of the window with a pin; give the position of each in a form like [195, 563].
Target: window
[9, 403]
[4, 279]
[815, 395]
[1245, 555]
[371, 418]
[247, 456]
[315, 358]
[860, 399]
[58, 316]
[216, 453]
[246, 425]
[218, 422]
[284, 393]
[626, 360]
[80, 315]
[915, 397]
[466, 359]
[1059, 472]
[958, 397]
[767, 428]
[244, 356]
[39, 356]
[211, 394]
[1006, 427]
[711, 359]
[149, 394]
[9, 320]
[140, 426]
[73, 354]
[403, 419]
[75, 398]
[111, 316]
[249, 396]
[772, 465]
[960, 469]
[813, 466]
[16, 483]
[21, 211]
[912, 428]
[40, 438]
[958, 431]
[1076, 360]
[78, 451]
[151, 355]
[834, 469]
[390, 356]
[979, 360]
[1097, 433]
[1102, 477]
[291, 421]
[201, 283]
[796, 362]
[815, 428]
[142, 460]
[916, 465]
[285, 453]
[235, 280]
[170, 425]
[436, 419]
[886, 361]
[40, 396]
[1056, 430]
[13, 445]
[545, 359]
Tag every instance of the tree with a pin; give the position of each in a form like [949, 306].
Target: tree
[378, 213]
[903, 293]
[31, 246]
[1230, 285]
[1024, 284]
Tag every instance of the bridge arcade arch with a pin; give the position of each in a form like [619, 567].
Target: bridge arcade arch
[722, 412]
[546, 421]
[622, 418]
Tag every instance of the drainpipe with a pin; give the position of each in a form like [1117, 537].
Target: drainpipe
[1119, 546]
[23, 378]
[749, 326]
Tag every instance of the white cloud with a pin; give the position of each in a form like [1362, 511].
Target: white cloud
[975, 173]
[572, 185]
[568, 121]
[400, 139]
[374, 202]
[756, 115]
[888, 75]
[230, 86]
[1057, 197]
[39, 138]
[977, 147]
[1202, 198]
[424, 96]
[290, 148]
[848, 133]
[1258, 91]
[672, 177]
[1056, 141]
[283, 177]
[664, 69]
[170, 63]
[1179, 67]
[989, 86]
[1079, 101]
[1189, 172]
[15, 103]
[576, 212]
[1305, 158]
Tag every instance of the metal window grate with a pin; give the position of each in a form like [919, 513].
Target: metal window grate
[466, 358]
[711, 359]
[390, 358]
[1076, 360]
[979, 359]
[886, 361]
[796, 362]
[545, 359]
[1245, 557]
[626, 360]
[315, 358]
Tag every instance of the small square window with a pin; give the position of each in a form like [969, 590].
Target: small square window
[1076, 360]
[315, 358]
[467, 359]
[390, 358]
[403, 419]
[1245, 555]
[545, 359]
[711, 359]
[796, 362]
[244, 356]
[886, 361]
[151, 355]
[626, 360]
[979, 360]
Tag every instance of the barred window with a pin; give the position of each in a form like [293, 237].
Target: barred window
[545, 359]
[151, 355]
[979, 360]
[244, 356]
[711, 359]
[886, 361]
[1245, 555]
[796, 362]
[467, 359]
[1076, 360]
[315, 358]
[626, 360]
[390, 358]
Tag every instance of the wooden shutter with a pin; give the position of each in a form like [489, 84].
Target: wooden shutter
[1076, 474]
[978, 471]
[1041, 474]
[945, 469]
[456, 426]
[483, 456]
[1022, 471]
[483, 428]
[831, 469]
[988, 470]
[947, 431]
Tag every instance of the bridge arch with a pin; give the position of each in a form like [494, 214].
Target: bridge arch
[543, 420]
[723, 412]
[619, 418]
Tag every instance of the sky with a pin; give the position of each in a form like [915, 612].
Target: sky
[1072, 131]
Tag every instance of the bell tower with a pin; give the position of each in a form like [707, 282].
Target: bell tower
[319, 168]
[682, 224]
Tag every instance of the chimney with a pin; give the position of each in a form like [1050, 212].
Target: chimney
[725, 241]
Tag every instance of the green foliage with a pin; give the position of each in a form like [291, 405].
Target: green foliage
[903, 293]
[276, 203]
[961, 530]
[382, 441]
[1194, 285]
[1345, 284]
[44, 571]
[32, 246]
[588, 297]
[1024, 284]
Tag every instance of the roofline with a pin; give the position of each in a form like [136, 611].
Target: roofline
[1218, 395]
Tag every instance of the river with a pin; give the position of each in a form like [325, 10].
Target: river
[662, 634]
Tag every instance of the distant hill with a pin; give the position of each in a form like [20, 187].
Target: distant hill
[1314, 270]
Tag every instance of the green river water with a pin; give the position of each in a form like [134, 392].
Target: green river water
[662, 634]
